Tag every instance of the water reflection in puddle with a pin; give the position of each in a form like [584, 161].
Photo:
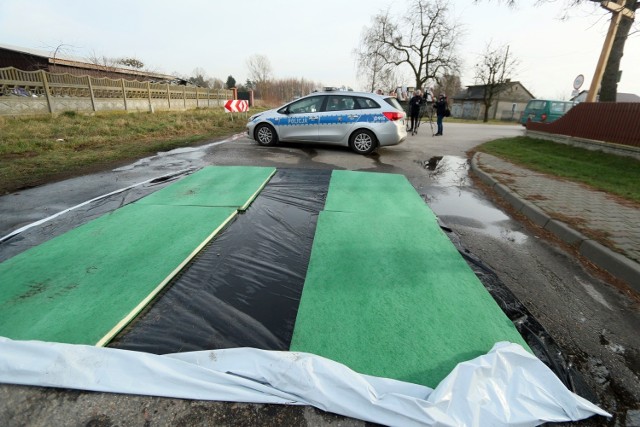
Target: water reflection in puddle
[452, 199]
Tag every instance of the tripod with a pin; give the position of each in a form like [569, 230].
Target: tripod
[423, 110]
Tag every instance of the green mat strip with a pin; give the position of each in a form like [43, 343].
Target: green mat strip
[233, 186]
[136, 310]
[387, 293]
[85, 285]
[375, 193]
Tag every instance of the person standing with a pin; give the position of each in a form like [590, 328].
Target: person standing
[441, 108]
[414, 110]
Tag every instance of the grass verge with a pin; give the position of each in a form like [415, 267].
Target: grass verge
[606, 172]
[37, 150]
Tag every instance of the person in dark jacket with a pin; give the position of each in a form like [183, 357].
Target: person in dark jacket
[414, 109]
[441, 108]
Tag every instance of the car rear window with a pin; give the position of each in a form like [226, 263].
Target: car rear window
[536, 105]
[557, 107]
[393, 102]
[366, 103]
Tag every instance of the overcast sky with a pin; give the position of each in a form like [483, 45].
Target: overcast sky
[311, 40]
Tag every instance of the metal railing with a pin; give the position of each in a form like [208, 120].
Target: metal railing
[33, 92]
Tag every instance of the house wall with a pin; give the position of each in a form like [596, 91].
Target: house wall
[469, 110]
[508, 105]
[509, 111]
[76, 71]
[23, 61]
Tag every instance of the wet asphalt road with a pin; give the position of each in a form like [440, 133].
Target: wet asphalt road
[595, 324]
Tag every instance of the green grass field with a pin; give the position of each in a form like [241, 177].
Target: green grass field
[37, 150]
[607, 172]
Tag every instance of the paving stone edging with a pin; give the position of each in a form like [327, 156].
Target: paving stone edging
[603, 257]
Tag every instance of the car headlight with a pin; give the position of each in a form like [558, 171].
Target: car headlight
[255, 116]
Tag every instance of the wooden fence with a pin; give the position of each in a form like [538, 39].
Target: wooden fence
[40, 92]
[610, 122]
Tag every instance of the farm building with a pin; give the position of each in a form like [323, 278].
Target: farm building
[28, 59]
[507, 105]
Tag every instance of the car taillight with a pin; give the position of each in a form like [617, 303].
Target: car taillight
[393, 115]
[543, 117]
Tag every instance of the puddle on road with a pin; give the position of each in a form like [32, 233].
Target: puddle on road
[451, 198]
[183, 157]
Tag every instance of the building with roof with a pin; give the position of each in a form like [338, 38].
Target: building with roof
[28, 59]
[620, 97]
[508, 103]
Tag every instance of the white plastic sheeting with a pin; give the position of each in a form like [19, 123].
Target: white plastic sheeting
[507, 386]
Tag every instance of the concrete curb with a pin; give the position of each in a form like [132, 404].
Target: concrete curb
[616, 264]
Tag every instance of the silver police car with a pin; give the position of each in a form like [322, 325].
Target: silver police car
[362, 121]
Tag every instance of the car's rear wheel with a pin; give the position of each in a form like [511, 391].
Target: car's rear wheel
[363, 141]
[266, 135]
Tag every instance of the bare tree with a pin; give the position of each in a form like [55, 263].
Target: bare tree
[282, 90]
[609, 86]
[449, 84]
[259, 73]
[106, 63]
[493, 71]
[215, 83]
[61, 49]
[424, 40]
[199, 78]
[259, 68]
[374, 70]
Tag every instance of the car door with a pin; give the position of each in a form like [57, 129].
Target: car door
[337, 118]
[300, 121]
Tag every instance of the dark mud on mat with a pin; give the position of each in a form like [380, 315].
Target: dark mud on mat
[242, 290]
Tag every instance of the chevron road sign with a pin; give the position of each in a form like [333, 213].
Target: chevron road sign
[236, 106]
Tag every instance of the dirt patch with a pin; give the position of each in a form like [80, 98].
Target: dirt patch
[535, 197]
[504, 180]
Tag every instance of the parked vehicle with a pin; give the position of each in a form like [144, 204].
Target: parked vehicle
[362, 121]
[544, 110]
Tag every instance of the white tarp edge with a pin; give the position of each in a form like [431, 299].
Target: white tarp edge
[507, 386]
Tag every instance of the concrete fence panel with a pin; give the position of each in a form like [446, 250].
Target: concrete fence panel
[40, 92]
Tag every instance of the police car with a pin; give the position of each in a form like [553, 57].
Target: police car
[362, 121]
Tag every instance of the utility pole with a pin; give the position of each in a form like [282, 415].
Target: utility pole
[618, 10]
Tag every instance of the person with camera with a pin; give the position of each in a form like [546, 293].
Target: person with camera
[442, 110]
[414, 110]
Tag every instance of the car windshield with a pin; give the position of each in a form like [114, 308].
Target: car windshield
[306, 105]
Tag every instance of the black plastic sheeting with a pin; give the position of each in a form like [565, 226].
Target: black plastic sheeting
[538, 339]
[242, 290]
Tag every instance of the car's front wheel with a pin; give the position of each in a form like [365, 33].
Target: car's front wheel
[363, 141]
[266, 135]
